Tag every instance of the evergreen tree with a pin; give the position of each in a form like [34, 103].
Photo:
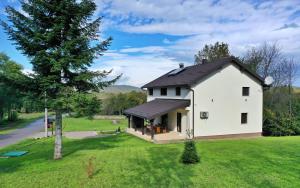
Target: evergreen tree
[212, 52]
[61, 42]
[190, 155]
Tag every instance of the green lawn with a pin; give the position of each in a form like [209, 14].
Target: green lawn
[85, 124]
[126, 161]
[24, 119]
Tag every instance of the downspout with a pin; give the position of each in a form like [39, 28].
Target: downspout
[193, 119]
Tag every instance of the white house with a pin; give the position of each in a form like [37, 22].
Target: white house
[212, 99]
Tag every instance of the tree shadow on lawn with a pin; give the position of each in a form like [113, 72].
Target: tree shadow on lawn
[159, 167]
[41, 151]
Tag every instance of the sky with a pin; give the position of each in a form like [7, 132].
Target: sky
[151, 37]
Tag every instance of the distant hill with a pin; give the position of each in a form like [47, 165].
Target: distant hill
[115, 89]
[121, 89]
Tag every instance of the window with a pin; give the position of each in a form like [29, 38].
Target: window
[178, 91]
[163, 91]
[246, 91]
[244, 118]
[150, 91]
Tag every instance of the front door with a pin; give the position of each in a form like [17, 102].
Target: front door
[164, 120]
[179, 122]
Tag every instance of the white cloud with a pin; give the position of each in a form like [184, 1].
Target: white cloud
[241, 24]
[138, 70]
[147, 49]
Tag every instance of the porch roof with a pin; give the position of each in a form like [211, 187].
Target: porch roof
[156, 108]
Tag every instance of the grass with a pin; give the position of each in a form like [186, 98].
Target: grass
[24, 119]
[85, 124]
[126, 161]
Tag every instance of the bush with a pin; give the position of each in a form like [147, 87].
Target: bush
[190, 155]
[279, 124]
[12, 115]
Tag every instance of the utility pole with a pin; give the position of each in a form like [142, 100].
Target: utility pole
[46, 116]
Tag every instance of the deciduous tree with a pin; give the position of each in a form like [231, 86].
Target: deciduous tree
[212, 52]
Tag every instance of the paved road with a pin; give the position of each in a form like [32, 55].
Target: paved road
[20, 134]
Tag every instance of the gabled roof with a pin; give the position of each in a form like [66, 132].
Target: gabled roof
[156, 108]
[192, 74]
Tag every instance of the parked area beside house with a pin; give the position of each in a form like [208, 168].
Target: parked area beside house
[208, 100]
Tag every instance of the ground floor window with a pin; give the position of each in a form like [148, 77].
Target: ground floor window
[244, 118]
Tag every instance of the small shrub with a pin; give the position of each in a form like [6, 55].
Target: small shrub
[190, 155]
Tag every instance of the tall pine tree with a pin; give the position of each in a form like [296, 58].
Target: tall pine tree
[61, 40]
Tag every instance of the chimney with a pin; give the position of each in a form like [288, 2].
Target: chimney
[204, 61]
[181, 65]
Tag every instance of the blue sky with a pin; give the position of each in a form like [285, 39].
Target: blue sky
[154, 36]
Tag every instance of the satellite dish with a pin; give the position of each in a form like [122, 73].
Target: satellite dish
[269, 80]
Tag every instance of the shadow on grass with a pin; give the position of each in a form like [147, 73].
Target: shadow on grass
[41, 151]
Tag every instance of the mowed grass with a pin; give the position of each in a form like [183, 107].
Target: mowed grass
[126, 161]
[85, 124]
[24, 119]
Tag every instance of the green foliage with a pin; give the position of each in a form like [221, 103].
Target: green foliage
[12, 115]
[190, 155]
[212, 52]
[61, 40]
[12, 82]
[279, 119]
[117, 103]
[85, 105]
[60, 45]
[279, 124]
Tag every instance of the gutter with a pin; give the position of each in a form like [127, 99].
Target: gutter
[193, 120]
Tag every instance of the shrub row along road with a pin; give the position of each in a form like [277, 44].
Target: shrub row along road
[20, 134]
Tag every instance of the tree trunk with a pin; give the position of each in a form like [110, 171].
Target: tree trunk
[58, 135]
[290, 100]
[1, 114]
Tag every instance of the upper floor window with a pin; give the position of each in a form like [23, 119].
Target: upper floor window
[150, 91]
[178, 91]
[246, 91]
[244, 118]
[163, 91]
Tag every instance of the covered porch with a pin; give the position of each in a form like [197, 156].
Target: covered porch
[160, 120]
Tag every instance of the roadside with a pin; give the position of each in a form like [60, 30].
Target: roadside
[24, 120]
[21, 133]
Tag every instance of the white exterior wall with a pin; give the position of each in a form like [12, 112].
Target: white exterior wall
[171, 94]
[221, 96]
[172, 121]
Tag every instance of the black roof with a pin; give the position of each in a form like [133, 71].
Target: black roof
[192, 74]
[156, 108]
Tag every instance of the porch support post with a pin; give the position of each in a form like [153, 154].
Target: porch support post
[129, 119]
[152, 131]
[143, 127]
